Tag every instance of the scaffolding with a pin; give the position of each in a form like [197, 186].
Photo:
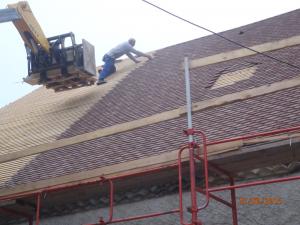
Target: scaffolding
[197, 152]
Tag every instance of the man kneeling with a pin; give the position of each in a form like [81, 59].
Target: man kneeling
[115, 53]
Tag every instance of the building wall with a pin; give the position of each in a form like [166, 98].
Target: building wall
[286, 212]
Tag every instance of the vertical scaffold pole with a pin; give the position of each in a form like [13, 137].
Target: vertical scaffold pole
[38, 207]
[194, 207]
[188, 97]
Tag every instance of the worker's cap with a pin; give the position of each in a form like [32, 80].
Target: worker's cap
[131, 41]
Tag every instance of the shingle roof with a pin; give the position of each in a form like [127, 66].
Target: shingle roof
[163, 75]
[153, 87]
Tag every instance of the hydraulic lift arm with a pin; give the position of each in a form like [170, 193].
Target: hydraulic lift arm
[52, 62]
[27, 25]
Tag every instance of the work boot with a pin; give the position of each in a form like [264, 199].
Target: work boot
[99, 82]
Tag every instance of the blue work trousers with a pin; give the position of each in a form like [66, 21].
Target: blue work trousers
[108, 68]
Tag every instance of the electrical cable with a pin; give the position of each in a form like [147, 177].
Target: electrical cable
[221, 36]
[227, 39]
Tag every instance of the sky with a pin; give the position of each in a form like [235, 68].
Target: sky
[106, 23]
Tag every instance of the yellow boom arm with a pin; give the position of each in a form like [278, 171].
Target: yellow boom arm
[51, 62]
[29, 28]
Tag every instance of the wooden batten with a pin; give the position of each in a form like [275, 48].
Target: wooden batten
[243, 52]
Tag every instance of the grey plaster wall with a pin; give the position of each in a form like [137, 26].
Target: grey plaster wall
[216, 214]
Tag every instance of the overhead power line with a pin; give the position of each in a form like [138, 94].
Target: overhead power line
[221, 36]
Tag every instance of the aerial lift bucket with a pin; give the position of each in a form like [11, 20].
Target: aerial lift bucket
[54, 62]
[66, 67]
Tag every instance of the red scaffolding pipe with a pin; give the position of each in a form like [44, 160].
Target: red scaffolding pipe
[254, 183]
[263, 134]
[144, 216]
[38, 207]
[207, 191]
[56, 188]
[157, 169]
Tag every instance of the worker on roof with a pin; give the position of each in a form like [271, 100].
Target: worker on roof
[115, 53]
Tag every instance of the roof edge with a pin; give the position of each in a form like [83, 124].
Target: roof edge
[153, 163]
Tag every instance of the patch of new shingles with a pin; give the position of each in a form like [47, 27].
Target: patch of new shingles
[43, 115]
